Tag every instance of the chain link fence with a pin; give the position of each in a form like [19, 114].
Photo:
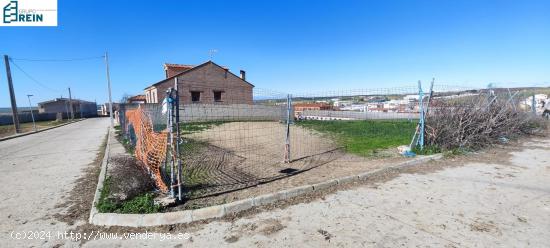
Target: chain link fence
[201, 147]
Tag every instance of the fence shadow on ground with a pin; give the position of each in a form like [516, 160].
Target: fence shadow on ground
[222, 172]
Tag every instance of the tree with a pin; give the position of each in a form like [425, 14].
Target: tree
[125, 98]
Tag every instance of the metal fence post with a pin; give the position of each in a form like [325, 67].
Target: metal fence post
[169, 126]
[421, 102]
[533, 105]
[178, 155]
[511, 99]
[288, 116]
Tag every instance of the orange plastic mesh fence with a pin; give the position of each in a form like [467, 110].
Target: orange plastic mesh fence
[150, 145]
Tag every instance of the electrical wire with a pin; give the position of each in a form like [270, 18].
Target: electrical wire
[58, 60]
[33, 79]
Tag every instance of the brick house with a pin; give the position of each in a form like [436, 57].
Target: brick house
[207, 83]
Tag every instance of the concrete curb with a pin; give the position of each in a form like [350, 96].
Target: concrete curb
[218, 211]
[33, 132]
[105, 218]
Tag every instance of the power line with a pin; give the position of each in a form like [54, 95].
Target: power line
[32, 78]
[58, 60]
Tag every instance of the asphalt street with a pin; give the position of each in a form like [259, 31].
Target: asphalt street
[37, 171]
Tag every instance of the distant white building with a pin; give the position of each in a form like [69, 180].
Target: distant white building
[410, 98]
[341, 103]
[355, 107]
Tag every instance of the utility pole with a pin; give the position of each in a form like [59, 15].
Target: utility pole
[12, 96]
[71, 104]
[32, 115]
[109, 88]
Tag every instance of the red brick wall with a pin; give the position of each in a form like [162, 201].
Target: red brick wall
[207, 79]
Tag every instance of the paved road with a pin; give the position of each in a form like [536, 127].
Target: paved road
[482, 204]
[37, 170]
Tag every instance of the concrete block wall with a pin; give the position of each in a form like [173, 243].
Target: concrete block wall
[231, 112]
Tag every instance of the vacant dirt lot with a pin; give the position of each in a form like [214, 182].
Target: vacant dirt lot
[264, 141]
[238, 160]
[499, 198]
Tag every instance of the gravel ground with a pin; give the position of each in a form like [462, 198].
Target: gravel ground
[37, 172]
[498, 198]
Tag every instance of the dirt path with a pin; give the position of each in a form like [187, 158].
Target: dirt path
[37, 171]
[500, 200]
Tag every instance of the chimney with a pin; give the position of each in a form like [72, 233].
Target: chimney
[166, 70]
[243, 75]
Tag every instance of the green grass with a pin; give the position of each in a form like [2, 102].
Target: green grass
[365, 138]
[143, 204]
[190, 146]
[195, 180]
[7, 130]
[194, 127]
[104, 205]
[427, 150]
[128, 146]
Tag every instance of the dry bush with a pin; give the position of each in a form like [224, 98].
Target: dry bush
[128, 179]
[477, 122]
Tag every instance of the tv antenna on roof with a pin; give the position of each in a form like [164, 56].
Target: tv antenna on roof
[211, 53]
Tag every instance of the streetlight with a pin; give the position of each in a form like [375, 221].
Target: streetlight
[32, 115]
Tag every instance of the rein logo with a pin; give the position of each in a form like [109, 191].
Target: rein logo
[29, 13]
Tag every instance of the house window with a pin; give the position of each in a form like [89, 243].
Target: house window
[195, 96]
[218, 96]
[154, 97]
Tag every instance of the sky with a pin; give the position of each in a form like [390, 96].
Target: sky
[284, 46]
